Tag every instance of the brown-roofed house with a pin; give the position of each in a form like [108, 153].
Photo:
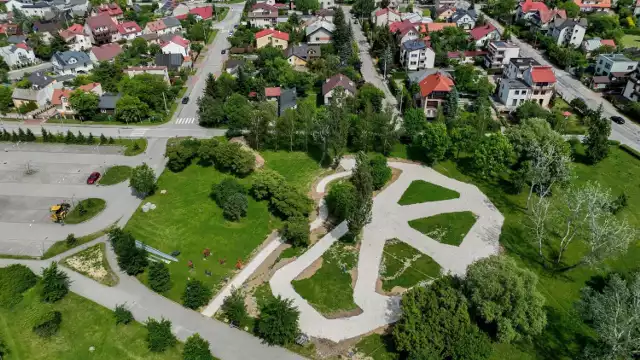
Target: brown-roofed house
[335, 81]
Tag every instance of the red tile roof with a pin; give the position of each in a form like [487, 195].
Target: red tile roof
[58, 94]
[177, 39]
[129, 27]
[272, 91]
[205, 12]
[542, 74]
[156, 26]
[608, 42]
[106, 52]
[479, 32]
[401, 26]
[23, 46]
[431, 27]
[102, 20]
[275, 33]
[76, 28]
[385, 11]
[111, 9]
[89, 87]
[548, 15]
[435, 82]
[604, 4]
[529, 6]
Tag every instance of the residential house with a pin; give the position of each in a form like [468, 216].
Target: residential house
[284, 98]
[233, 65]
[102, 29]
[153, 70]
[60, 98]
[444, 3]
[171, 61]
[433, 92]
[404, 31]
[320, 32]
[416, 55]
[590, 45]
[334, 82]
[39, 93]
[535, 83]
[593, 5]
[636, 9]
[40, 80]
[528, 8]
[325, 15]
[499, 53]
[46, 29]
[327, 4]
[542, 81]
[416, 18]
[568, 32]
[616, 64]
[386, 16]
[200, 13]
[632, 88]
[108, 101]
[71, 62]
[465, 19]
[432, 27]
[466, 57]
[275, 38]
[444, 13]
[113, 10]
[513, 92]
[129, 30]
[18, 55]
[543, 18]
[484, 34]
[106, 52]
[272, 93]
[10, 29]
[299, 55]
[163, 26]
[517, 66]
[76, 38]
[263, 15]
[176, 45]
[37, 9]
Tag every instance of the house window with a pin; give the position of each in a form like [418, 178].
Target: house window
[514, 102]
[630, 67]
[607, 66]
[317, 38]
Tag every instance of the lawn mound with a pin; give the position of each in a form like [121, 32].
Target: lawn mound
[448, 228]
[404, 267]
[115, 175]
[420, 191]
[85, 209]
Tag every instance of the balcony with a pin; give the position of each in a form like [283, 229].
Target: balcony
[542, 86]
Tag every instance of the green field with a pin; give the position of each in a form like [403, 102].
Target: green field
[115, 175]
[377, 347]
[405, 266]
[298, 168]
[91, 206]
[574, 124]
[629, 41]
[447, 228]
[329, 289]
[420, 191]
[84, 324]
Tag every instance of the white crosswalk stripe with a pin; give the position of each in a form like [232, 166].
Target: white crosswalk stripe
[186, 120]
[138, 132]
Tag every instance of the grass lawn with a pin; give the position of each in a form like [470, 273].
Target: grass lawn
[84, 324]
[115, 175]
[188, 220]
[298, 168]
[329, 289]
[405, 266]
[629, 41]
[378, 347]
[85, 210]
[421, 191]
[574, 124]
[92, 262]
[448, 228]
[61, 246]
[133, 147]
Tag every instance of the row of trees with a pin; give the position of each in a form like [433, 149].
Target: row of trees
[227, 156]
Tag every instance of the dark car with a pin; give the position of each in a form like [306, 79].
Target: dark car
[185, 100]
[93, 178]
[617, 119]
[224, 51]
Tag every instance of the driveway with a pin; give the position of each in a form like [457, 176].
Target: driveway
[570, 88]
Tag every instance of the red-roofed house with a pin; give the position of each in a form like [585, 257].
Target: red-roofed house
[76, 38]
[431, 27]
[263, 15]
[129, 30]
[483, 34]
[275, 38]
[386, 16]
[544, 17]
[101, 29]
[433, 91]
[106, 52]
[404, 30]
[272, 93]
[113, 10]
[200, 13]
[176, 45]
[537, 84]
[60, 98]
[528, 8]
[608, 42]
[593, 5]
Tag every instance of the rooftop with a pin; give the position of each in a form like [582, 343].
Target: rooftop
[616, 57]
[479, 32]
[516, 84]
[524, 62]
[438, 81]
[274, 33]
[336, 81]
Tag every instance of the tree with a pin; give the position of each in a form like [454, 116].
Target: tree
[337, 118]
[530, 109]
[451, 108]
[71, 239]
[572, 9]
[414, 122]
[196, 294]
[159, 277]
[278, 322]
[6, 101]
[265, 184]
[505, 297]
[122, 315]
[307, 6]
[363, 8]
[380, 171]
[341, 199]
[197, 48]
[196, 348]
[222, 191]
[230, 156]
[363, 204]
[296, 231]
[108, 74]
[159, 336]
[55, 284]
[139, 47]
[235, 207]
[234, 309]
[143, 180]
[131, 259]
[260, 120]
[492, 155]
[384, 130]
[597, 139]
[84, 103]
[131, 109]
[434, 142]
[289, 202]
[614, 314]
[369, 94]
[179, 156]
[236, 109]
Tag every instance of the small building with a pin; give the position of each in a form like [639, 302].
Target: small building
[404, 31]
[325, 15]
[432, 27]
[320, 32]
[334, 82]
[632, 88]
[263, 15]
[598, 83]
[233, 65]
[46, 29]
[18, 55]
[76, 38]
[106, 52]
[327, 4]
[101, 29]
[513, 92]
[299, 55]
[499, 53]
[517, 66]
[596, 43]
[386, 16]
[71, 63]
[287, 100]
[619, 64]
[483, 34]
[568, 32]
[129, 30]
[416, 55]
[543, 18]
[465, 19]
[444, 3]
[528, 8]
[433, 92]
[168, 25]
[171, 61]
[161, 71]
[108, 101]
[275, 38]
[542, 81]
[535, 83]
[445, 12]
[176, 44]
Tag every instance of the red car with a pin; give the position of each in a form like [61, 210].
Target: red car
[93, 178]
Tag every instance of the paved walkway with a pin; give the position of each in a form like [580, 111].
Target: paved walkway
[390, 220]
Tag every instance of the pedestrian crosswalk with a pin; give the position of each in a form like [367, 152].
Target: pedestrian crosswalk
[138, 132]
[186, 120]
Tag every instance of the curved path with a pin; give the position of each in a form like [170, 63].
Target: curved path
[389, 221]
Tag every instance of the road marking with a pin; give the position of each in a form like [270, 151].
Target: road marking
[138, 132]
[186, 120]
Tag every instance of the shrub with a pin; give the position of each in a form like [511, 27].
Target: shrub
[234, 308]
[131, 259]
[235, 207]
[159, 336]
[289, 202]
[341, 199]
[296, 231]
[266, 183]
[71, 239]
[159, 277]
[380, 171]
[207, 150]
[55, 284]
[232, 157]
[143, 180]
[17, 278]
[48, 325]
[180, 157]
[122, 315]
[278, 322]
[223, 190]
[196, 348]
[195, 294]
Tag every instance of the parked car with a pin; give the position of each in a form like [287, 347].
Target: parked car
[185, 100]
[93, 178]
[224, 51]
[617, 119]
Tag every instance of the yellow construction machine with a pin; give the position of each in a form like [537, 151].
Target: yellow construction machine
[59, 212]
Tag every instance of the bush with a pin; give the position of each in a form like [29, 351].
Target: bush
[48, 325]
[55, 284]
[196, 348]
[159, 277]
[235, 207]
[195, 294]
[131, 259]
[159, 336]
[14, 280]
[143, 180]
[223, 190]
[296, 231]
[206, 151]
[278, 322]
[234, 308]
[71, 240]
[180, 157]
[122, 315]
[380, 171]
[265, 184]
[230, 156]
[289, 202]
[341, 199]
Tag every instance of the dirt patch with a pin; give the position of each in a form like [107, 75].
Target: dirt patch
[242, 141]
[310, 270]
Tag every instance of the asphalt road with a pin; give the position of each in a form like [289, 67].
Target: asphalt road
[18, 74]
[570, 88]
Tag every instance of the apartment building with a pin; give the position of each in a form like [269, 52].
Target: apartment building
[499, 53]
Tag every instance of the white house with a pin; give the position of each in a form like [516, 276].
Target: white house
[499, 53]
[632, 89]
[71, 63]
[513, 92]
[176, 45]
[416, 55]
[129, 30]
[263, 15]
[386, 16]
[334, 82]
[616, 64]
[18, 55]
[327, 4]
[536, 83]
[168, 25]
[76, 38]
[320, 32]
[484, 34]
[465, 19]
[568, 32]
[517, 66]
